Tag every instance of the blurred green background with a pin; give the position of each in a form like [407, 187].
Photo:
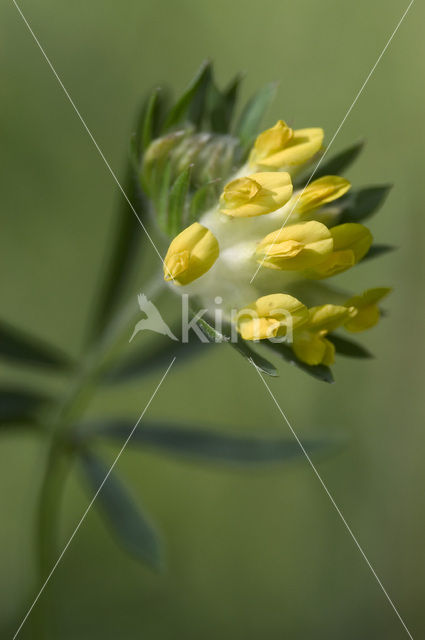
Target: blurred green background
[250, 553]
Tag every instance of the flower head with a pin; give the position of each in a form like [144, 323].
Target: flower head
[248, 232]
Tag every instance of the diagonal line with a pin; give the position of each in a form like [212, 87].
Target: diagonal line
[102, 155]
[360, 91]
[83, 517]
[347, 526]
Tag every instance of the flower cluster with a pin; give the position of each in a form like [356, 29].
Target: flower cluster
[269, 238]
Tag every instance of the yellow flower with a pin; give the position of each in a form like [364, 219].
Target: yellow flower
[367, 308]
[271, 316]
[295, 247]
[320, 192]
[280, 146]
[351, 241]
[191, 254]
[310, 344]
[256, 195]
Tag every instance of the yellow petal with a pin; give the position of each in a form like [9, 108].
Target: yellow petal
[351, 243]
[191, 254]
[353, 236]
[313, 349]
[256, 195]
[270, 141]
[328, 317]
[320, 192]
[298, 149]
[270, 316]
[368, 312]
[295, 247]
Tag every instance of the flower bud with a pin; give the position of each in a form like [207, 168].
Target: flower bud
[295, 247]
[256, 195]
[367, 311]
[281, 147]
[191, 254]
[271, 316]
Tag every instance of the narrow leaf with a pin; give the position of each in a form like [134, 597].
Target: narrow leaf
[221, 106]
[20, 405]
[177, 202]
[319, 371]
[378, 250]
[202, 200]
[132, 528]
[359, 204]
[148, 125]
[142, 364]
[240, 345]
[207, 445]
[336, 165]
[350, 348]
[191, 105]
[127, 241]
[249, 123]
[19, 346]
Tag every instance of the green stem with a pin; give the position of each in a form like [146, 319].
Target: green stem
[60, 450]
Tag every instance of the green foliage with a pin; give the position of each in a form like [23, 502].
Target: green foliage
[249, 123]
[359, 204]
[206, 445]
[350, 348]
[318, 371]
[132, 527]
[336, 165]
[20, 405]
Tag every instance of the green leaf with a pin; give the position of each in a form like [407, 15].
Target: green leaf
[350, 348]
[378, 250]
[142, 364]
[20, 405]
[148, 125]
[207, 445]
[19, 346]
[202, 200]
[177, 202]
[249, 123]
[191, 105]
[360, 204]
[319, 371]
[132, 528]
[222, 105]
[128, 238]
[239, 344]
[336, 165]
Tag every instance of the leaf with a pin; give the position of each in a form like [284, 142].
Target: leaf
[132, 528]
[319, 371]
[239, 344]
[177, 202]
[249, 123]
[207, 445]
[360, 204]
[20, 405]
[191, 104]
[221, 106]
[350, 348]
[336, 165]
[378, 250]
[202, 200]
[19, 346]
[127, 241]
[147, 129]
